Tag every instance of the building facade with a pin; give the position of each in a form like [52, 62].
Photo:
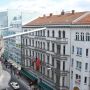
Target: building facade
[58, 57]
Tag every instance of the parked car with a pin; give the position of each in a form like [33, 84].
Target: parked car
[15, 85]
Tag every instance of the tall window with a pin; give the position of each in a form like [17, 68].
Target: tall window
[85, 80]
[79, 51]
[72, 61]
[64, 50]
[52, 47]
[63, 81]
[58, 49]
[59, 34]
[48, 59]
[52, 61]
[87, 36]
[53, 34]
[36, 43]
[86, 52]
[43, 32]
[63, 34]
[86, 66]
[48, 46]
[77, 36]
[72, 49]
[48, 33]
[82, 36]
[26, 41]
[43, 45]
[63, 65]
[78, 64]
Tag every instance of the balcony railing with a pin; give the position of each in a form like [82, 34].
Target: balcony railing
[40, 37]
[58, 40]
[61, 87]
[40, 49]
[61, 57]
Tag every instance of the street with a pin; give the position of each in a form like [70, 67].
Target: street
[14, 77]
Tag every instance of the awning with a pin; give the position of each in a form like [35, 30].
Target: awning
[44, 86]
[27, 74]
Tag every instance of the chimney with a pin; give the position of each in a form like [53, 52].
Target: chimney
[73, 11]
[50, 14]
[62, 13]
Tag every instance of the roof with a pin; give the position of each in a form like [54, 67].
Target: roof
[67, 18]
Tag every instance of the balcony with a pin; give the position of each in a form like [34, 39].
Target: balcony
[40, 37]
[61, 87]
[40, 49]
[62, 40]
[61, 73]
[58, 40]
[61, 57]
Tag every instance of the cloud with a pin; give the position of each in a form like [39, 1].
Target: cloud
[48, 6]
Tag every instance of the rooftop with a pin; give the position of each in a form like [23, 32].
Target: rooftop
[61, 19]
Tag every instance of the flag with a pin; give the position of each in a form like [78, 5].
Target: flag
[38, 63]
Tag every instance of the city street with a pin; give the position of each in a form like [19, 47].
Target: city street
[23, 84]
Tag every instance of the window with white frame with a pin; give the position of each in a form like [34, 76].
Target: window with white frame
[79, 51]
[78, 65]
[77, 36]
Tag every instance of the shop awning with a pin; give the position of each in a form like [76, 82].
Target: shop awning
[44, 86]
[27, 74]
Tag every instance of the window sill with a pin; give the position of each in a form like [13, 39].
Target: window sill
[79, 55]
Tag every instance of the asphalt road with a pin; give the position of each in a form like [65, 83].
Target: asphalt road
[23, 85]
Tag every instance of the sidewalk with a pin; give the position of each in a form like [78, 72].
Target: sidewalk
[20, 79]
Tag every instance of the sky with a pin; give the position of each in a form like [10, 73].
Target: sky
[46, 6]
[40, 7]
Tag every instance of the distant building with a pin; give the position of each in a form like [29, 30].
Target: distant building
[59, 56]
[11, 23]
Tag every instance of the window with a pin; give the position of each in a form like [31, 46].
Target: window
[87, 36]
[58, 49]
[53, 34]
[59, 34]
[64, 50]
[85, 80]
[33, 43]
[86, 66]
[63, 81]
[72, 49]
[78, 65]
[52, 61]
[79, 51]
[26, 41]
[63, 65]
[36, 43]
[48, 33]
[82, 36]
[72, 61]
[77, 36]
[48, 59]
[43, 45]
[63, 34]
[86, 52]
[44, 33]
[48, 46]
[52, 47]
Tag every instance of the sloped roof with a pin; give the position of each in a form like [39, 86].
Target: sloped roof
[67, 18]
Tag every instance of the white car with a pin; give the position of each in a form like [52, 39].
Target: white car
[15, 85]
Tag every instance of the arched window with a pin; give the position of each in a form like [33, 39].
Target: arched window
[59, 34]
[63, 34]
[48, 33]
[53, 34]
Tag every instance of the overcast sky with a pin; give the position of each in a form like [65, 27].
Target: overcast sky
[46, 6]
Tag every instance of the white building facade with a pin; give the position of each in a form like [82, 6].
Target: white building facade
[63, 50]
